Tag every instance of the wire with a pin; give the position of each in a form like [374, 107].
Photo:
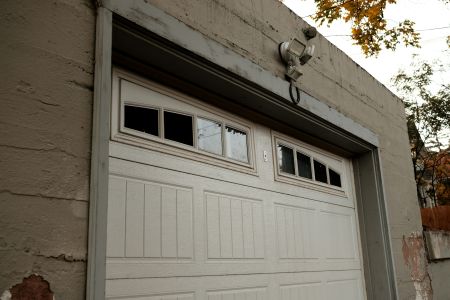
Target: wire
[295, 100]
[421, 30]
[435, 28]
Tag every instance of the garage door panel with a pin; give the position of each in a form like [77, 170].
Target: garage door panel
[182, 296]
[201, 287]
[320, 285]
[296, 236]
[127, 268]
[320, 231]
[309, 290]
[149, 219]
[235, 227]
[339, 239]
[344, 289]
[124, 154]
[158, 218]
[115, 238]
[189, 220]
[339, 285]
[258, 293]
[134, 219]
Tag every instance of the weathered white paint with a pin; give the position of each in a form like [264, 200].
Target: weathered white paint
[173, 232]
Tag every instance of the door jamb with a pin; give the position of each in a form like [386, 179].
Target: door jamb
[98, 191]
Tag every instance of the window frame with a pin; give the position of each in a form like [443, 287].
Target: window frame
[330, 161]
[188, 106]
[320, 161]
[225, 141]
[329, 177]
[162, 125]
[137, 132]
[294, 158]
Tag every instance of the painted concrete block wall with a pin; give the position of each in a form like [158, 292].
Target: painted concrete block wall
[46, 58]
[439, 279]
[254, 29]
[46, 62]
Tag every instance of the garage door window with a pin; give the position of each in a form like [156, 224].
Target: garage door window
[304, 165]
[236, 141]
[294, 163]
[320, 172]
[142, 119]
[335, 178]
[286, 159]
[178, 128]
[209, 136]
[148, 116]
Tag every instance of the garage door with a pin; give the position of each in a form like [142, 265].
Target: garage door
[207, 205]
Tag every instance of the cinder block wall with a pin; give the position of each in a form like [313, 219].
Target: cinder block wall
[46, 58]
[255, 28]
[46, 83]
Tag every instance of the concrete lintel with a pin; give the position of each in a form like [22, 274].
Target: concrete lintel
[168, 27]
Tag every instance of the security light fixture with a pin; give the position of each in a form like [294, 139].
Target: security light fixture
[295, 53]
[292, 49]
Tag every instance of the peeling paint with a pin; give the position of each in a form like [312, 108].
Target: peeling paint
[33, 287]
[415, 259]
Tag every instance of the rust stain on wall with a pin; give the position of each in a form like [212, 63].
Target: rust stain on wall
[415, 258]
[33, 287]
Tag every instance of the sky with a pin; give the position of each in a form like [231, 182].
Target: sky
[431, 15]
[432, 18]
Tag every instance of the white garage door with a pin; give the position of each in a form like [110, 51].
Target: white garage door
[207, 205]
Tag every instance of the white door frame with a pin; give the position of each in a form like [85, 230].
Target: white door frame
[360, 142]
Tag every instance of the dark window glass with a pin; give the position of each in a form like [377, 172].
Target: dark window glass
[236, 145]
[335, 178]
[320, 171]
[286, 159]
[178, 128]
[141, 119]
[304, 165]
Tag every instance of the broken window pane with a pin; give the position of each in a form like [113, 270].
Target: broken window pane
[236, 141]
[178, 128]
[304, 165]
[141, 119]
[320, 171]
[209, 136]
[286, 159]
